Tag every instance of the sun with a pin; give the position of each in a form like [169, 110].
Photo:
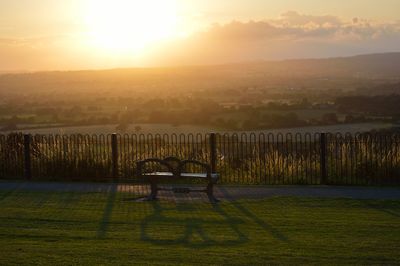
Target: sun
[121, 26]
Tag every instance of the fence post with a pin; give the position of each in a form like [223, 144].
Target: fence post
[114, 149]
[213, 152]
[323, 159]
[27, 157]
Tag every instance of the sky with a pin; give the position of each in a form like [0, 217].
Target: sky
[94, 34]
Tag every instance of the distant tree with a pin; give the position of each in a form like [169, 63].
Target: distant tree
[250, 124]
[376, 105]
[55, 117]
[92, 108]
[73, 112]
[220, 121]
[291, 119]
[305, 103]
[30, 119]
[102, 120]
[361, 118]
[122, 127]
[158, 117]
[126, 117]
[45, 111]
[14, 119]
[330, 118]
[9, 127]
[349, 119]
[115, 116]
[232, 124]
[155, 103]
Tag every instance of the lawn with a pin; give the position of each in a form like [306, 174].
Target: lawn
[99, 228]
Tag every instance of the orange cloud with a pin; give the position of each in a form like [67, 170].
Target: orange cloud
[292, 35]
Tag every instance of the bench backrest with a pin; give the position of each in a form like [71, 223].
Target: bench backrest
[172, 161]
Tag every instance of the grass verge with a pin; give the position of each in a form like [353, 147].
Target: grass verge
[108, 228]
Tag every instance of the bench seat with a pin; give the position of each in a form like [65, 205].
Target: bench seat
[175, 169]
[167, 174]
[188, 175]
[200, 175]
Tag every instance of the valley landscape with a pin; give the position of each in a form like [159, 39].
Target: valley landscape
[199, 132]
[358, 93]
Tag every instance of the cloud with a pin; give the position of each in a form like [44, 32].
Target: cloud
[44, 52]
[293, 18]
[292, 35]
[295, 26]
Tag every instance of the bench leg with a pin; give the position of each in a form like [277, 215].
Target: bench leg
[154, 190]
[210, 193]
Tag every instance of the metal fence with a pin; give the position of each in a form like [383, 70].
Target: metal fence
[336, 159]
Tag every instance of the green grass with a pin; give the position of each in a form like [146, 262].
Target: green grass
[94, 228]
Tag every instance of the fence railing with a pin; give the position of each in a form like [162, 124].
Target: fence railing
[335, 159]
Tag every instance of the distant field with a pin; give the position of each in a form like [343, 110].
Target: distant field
[108, 129]
[73, 228]
[305, 114]
[186, 129]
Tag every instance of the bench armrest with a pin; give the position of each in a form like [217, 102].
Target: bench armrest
[205, 166]
[140, 165]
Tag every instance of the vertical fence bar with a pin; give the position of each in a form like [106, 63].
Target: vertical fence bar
[114, 150]
[323, 158]
[213, 152]
[27, 157]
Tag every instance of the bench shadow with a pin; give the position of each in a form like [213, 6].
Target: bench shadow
[22, 188]
[10, 191]
[190, 227]
[381, 209]
[262, 223]
[105, 220]
[193, 226]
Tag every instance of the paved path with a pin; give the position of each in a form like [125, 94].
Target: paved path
[221, 192]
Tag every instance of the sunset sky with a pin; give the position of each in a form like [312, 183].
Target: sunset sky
[85, 34]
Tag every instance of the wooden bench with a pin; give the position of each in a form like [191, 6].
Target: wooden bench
[176, 169]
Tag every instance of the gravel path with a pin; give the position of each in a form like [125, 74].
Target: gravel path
[221, 192]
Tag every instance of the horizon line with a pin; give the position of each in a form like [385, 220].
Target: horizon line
[16, 72]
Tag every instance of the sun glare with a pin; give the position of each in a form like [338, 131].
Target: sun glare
[128, 26]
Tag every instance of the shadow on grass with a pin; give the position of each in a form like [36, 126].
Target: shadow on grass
[382, 209]
[103, 227]
[192, 232]
[9, 192]
[270, 229]
[191, 224]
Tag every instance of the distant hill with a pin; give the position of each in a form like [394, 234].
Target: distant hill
[373, 66]
[385, 65]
